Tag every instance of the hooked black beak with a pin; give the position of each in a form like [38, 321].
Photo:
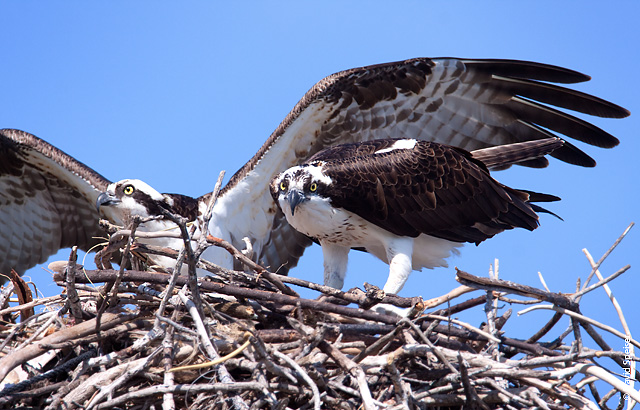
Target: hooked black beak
[104, 199]
[295, 197]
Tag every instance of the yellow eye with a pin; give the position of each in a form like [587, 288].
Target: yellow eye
[128, 190]
[283, 186]
[313, 187]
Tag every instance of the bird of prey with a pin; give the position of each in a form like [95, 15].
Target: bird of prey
[47, 198]
[410, 203]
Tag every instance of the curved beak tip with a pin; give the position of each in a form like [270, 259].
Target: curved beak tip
[104, 199]
[295, 197]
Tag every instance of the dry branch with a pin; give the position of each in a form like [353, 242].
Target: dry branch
[273, 349]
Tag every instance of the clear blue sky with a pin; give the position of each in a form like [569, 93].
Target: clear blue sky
[173, 92]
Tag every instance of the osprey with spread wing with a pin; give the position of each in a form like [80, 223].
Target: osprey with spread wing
[47, 198]
[410, 203]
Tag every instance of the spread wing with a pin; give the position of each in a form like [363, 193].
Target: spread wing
[47, 201]
[429, 189]
[467, 103]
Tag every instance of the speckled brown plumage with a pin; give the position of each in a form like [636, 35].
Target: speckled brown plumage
[433, 188]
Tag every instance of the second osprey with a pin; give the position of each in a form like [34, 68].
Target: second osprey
[410, 203]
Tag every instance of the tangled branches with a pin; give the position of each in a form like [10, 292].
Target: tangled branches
[247, 340]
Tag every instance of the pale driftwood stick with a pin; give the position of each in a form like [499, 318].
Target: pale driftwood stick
[52, 318]
[452, 294]
[18, 327]
[222, 371]
[177, 326]
[355, 370]
[602, 282]
[168, 401]
[607, 289]
[435, 349]
[317, 404]
[582, 319]
[616, 305]
[469, 390]
[202, 244]
[201, 328]
[9, 362]
[125, 254]
[85, 390]
[400, 387]
[5, 294]
[190, 259]
[544, 283]
[606, 254]
[129, 373]
[237, 387]
[602, 374]
[212, 200]
[534, 394]
[606, 397]
[262, 351]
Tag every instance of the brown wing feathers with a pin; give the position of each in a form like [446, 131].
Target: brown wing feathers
[432, 188]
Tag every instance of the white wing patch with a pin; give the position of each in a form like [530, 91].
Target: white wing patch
[400, 144]
[315, 170]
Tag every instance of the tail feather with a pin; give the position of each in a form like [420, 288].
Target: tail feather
[502, 156]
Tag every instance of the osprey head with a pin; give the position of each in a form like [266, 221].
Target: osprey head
[298, 185]
[133, 197]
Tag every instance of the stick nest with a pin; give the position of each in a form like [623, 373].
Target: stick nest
[139, 339]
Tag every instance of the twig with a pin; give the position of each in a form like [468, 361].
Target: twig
[510, 287]
[9, 362]
[180, 389]
[465, 325]
[314, 388]
[108, 390]
[602, 282]
[606, 254]
[582, 318]
[351, 367]
[73, 301]
[213, 362]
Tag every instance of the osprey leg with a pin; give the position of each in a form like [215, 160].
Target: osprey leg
[335, 264]
[399, 256]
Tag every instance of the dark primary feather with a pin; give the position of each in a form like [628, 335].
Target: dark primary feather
[468, 103]
[501, 156]
[433, 189]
